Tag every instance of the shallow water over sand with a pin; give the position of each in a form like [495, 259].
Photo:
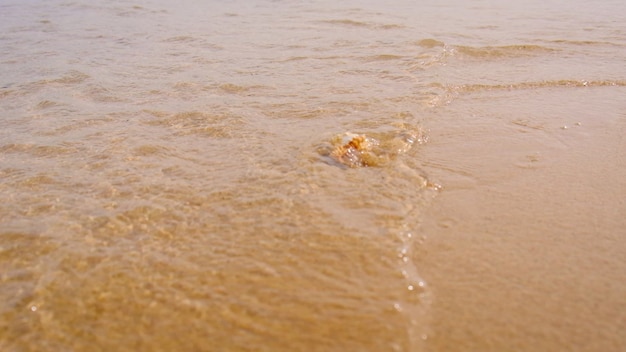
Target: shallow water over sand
[169, 181]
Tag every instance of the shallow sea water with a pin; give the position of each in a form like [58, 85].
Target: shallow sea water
[168, 180]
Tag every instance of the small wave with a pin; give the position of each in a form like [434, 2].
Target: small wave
[72, 77]
[5, 93]
[76, 125]
[180, 39]
[186, 85]
[44, 104]
[469, 88]
[350, 23]
[430, 43]
[101, 94]
[507, 51]
[228, 88]
[370, 25]
[390, 26]
[36, 181]
[439, 94]
[149, 150]
[233, 88]
[35, 150]
[383, 57]
[433, 53]
[436, 52]
[295, 58]
[585, 43]
[198, 123]
[344, 22]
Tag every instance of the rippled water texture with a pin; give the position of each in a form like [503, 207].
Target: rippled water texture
[312, 176]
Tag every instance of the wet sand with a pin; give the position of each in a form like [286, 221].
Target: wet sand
[525, 246]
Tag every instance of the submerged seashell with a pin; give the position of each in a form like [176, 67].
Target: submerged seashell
[354, 150]
[359, 150]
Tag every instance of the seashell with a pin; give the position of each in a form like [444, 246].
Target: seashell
[354, 150]
[359, 150]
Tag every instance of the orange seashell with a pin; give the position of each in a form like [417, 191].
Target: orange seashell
[352, 149]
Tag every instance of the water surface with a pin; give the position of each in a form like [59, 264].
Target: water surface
[168, 182]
